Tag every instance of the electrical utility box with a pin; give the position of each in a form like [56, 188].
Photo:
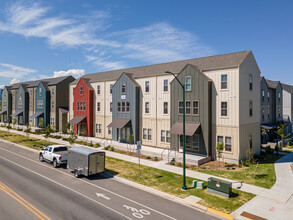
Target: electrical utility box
[219, 187]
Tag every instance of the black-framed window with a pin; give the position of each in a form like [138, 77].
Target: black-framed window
[195, 107]
[98, 106]
[268, 96]
[250, 82]
[268, 112]
[250, 108]
[84, 106]
[147, 107]
[224, 82]
[180, 107]
[123, 88]
[111, 88]
[163, 135]
[263, 114]
[81, 90]
[149, 134]
[168, 136]
[165, 106]
[263, 95]
[144, 134]
[228, 144]
[119, 106]
[98, 89]
[127, 107]
[111, 107]
[188, 107]
[123, 106]
[279, 96]
[77, 106]
[224, 109]
[147, 86]
[165, 85]
[250, 141]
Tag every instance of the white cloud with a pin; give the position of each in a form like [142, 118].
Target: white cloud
[14, 80]
[73, 72]
[2, 86]
[12, 71]
[105, 63]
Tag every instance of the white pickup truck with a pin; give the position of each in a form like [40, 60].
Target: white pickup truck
[56, 154]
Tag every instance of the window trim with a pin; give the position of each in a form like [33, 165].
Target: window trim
[250, 82]
[165, 86]
[189, 107]
[81, 90]
[250, 108]
[224, 116]
[225, 74]
[146, 108]
[192, 107]
[188, 90]
[147, 87]
[98, 89]
[164, 108]
[179, 107]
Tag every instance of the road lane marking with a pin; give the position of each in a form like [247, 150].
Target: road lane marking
[102, 195]
[47, 166]
[22, 201]
[67, 188]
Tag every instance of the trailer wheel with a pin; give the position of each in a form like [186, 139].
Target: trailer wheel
[41, 158]
[76, 173]
[55, 164]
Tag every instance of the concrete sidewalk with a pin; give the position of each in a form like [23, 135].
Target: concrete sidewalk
[277, 202]
[160, 165]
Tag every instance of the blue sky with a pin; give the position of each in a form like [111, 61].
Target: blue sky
[52, 38]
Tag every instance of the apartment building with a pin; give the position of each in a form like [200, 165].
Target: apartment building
[6, 104]
[37, 102]
[138, 101]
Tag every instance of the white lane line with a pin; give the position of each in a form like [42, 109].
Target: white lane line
[39, 163]
[66, 188]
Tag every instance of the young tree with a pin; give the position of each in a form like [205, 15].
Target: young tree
[219, 149]
[48, 131]
[250, 157]
[130, 140]
[72, 138]
[281, 132]
[8, 126]
[67, 127]
[14, 121]
[27, 130]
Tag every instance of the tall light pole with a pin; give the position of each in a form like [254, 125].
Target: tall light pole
[183, 92]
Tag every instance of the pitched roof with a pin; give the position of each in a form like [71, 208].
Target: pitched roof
[130, 76]
[204, 63]
[287, 88]
[272, 84]
[86, 81]
[35, 83]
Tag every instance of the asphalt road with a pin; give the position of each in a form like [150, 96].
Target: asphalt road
[30, 189]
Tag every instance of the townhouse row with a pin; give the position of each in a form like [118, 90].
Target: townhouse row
[38, 103]
[145, 103]
[276, 107]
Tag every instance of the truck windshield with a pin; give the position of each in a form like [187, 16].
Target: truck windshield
[58, 149]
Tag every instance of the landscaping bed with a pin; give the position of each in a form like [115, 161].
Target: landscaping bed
[171, 183]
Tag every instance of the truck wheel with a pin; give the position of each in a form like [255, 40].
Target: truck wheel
[41, 158]
[76, 173]
[55, 164]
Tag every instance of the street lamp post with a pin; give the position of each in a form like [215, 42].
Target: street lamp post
[184, 169]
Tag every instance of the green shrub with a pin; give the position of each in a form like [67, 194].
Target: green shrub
[148, 157]
[239, 165]
[90, 144]
[112, 149]
[172, 163]
[106, 148]
[228, 168]
[179, 164]
[97, 145]
[203, 167]
[193, 167]
[156, 159]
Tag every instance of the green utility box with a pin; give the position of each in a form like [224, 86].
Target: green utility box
[219, 187]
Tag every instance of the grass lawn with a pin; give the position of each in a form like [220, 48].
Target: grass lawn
[171, 183]
[23, 140]
[265, 175]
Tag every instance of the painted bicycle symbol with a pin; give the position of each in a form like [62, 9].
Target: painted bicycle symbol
[137, 213]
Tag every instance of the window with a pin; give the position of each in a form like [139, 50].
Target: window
[111, 88]
[263, 95]
[109, 130]
[188, 141]
[163, 135]
[147, 86]
[228, 144]
[31, 93]
[98, 128]
[279, 96]
[147, 107]
[123, 107]
[31, 105]
[250, 82]
[84, 106]
[165, 106]
[127, 107]
[81, 90]
[195, 142]
[268, 112]
[53, 91]
[188, 107]
[250, 141]
[78, 106]
[279, 112]
[195, 108]
[188, 83]
[149, 134]
[52, 122]
[263, 114]
[220, 139]
[119, 107]
[40, 104]
[168, 136]
[98, 106]
[98, 89]
[123, 88]
[250, 108]
[52, 105]
[40, 91]
[144, 133]
[180, 108]
[224, 81]
[111, 107]
[224, 110]
[165, 85]
[268, 96]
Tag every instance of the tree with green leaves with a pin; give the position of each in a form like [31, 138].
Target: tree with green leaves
[14, 121]
[8, 126]
[48, 131]
[27, 130]
[219, 150]
[130, 140]
[250, 157]
[72, 138]
[281, 133]
[67, 127]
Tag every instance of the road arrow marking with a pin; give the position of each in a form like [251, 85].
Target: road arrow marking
[102, 195]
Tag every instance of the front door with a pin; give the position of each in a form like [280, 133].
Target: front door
[191, 142]
[81, 129]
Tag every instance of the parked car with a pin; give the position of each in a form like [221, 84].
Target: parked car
[85, 161]
[56, 154]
